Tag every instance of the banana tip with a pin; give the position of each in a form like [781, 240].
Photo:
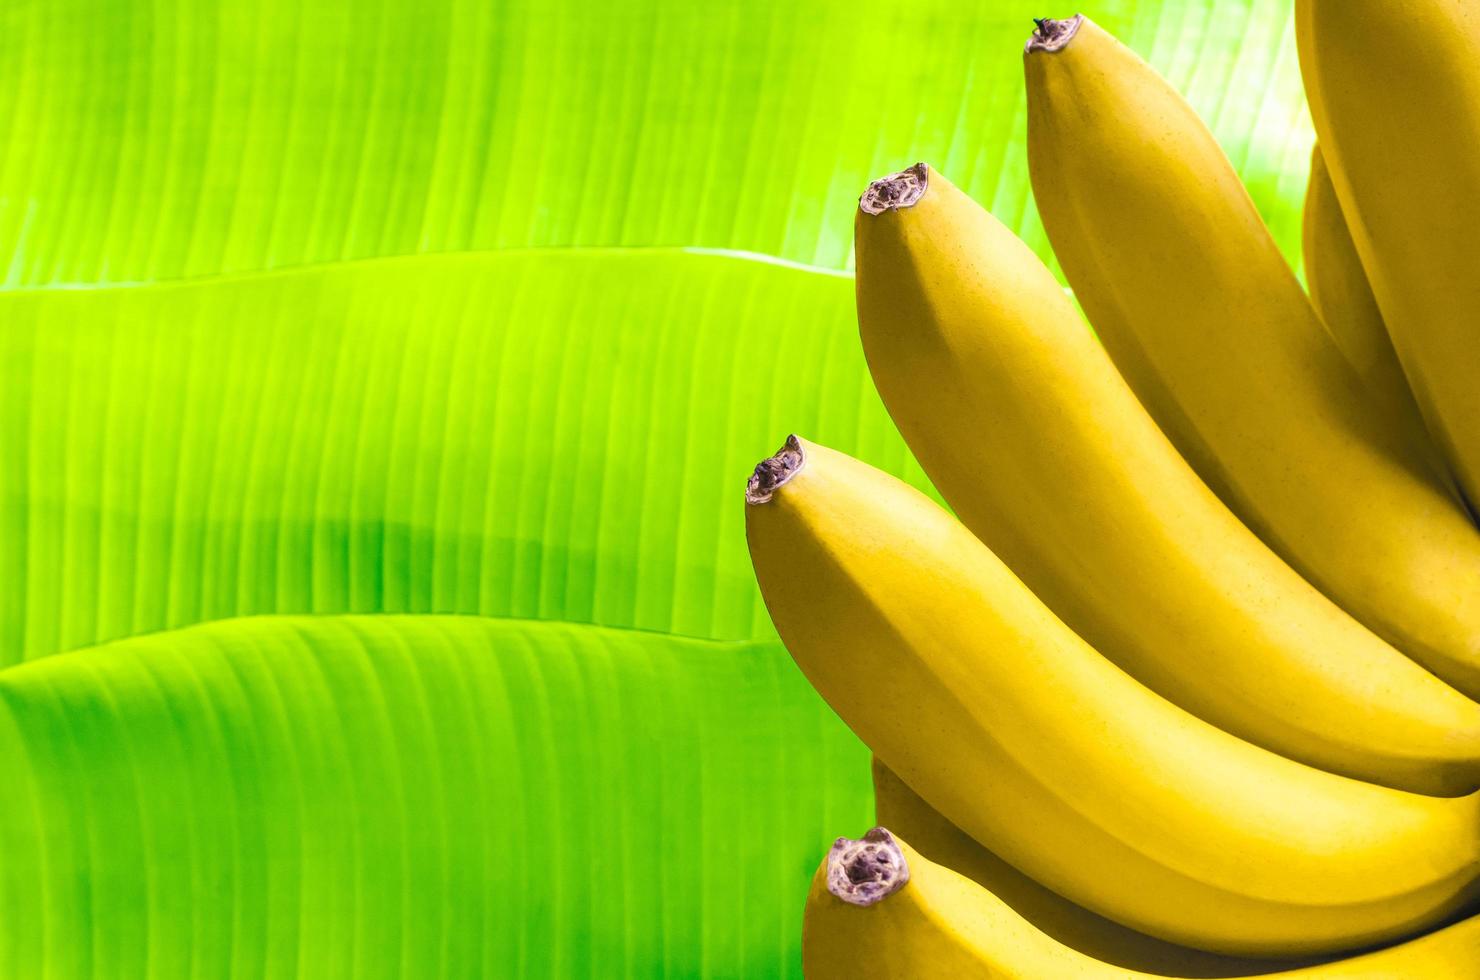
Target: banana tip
[867, 871]
[896, 191]
[1052, 35]
[774, 471]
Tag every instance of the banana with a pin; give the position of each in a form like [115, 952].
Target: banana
[879, 910]
[1343, 299]
[1016, 730]
[1394, 89]
[902, 810]
[1021, 421]
[1202, 315]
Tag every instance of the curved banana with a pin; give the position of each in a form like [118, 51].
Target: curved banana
[1200, 312]
[1343, 299]
[902, 810]
[1394, 89]
[1022, 422]
[954, 673]
[878, 910]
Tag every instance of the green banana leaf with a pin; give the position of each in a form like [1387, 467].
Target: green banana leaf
[346, 609]
[147, 141]
[391, 796]
[557, 435]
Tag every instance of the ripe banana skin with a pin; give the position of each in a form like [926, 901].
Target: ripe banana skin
[926, 922]
[1022, 422]
[1343, 299]
[901, 809]
[1200, 312]
[1016, 730]
[1394, 90]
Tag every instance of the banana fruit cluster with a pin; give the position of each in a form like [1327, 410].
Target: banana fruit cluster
[1187, 685]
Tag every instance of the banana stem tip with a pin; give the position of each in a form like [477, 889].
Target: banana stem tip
[899, 190]
[773, 471]
[865, 872]
[1052, 35]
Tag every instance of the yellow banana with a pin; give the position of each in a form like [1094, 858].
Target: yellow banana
[901, 809]
[1022, 422]
[879, 910]
[1343, 298]
[1394, 89]
[1200, 312]
[1016, 730]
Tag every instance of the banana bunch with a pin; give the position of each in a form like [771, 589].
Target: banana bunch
[1188, 684]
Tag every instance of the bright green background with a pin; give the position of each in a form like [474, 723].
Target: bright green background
[506, 386]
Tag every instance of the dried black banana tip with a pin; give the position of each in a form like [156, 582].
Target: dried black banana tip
[865, 872]
[1052, 35]
[773, 471]
[895, 191]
